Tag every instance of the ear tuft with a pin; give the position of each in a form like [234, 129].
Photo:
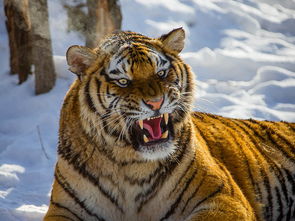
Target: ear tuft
[79, 58]
[174, 40]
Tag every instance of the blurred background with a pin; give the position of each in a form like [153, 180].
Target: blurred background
[242, 52]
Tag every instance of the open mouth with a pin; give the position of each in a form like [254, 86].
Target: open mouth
[153, 130]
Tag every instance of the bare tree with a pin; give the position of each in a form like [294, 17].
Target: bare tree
[103, 17]
[77, 15]
[41, 50]
[18, 26]
[29, 42]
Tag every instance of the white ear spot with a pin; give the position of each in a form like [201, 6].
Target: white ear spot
[79, 58]
[174, 40]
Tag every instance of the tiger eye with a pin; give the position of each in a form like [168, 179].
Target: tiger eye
[123, 81]
[161, 74]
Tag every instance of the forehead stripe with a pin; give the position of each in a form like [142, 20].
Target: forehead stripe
[121, 59]
[163, 62]
[115, 72]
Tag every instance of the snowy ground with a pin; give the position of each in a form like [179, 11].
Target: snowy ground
[243, 53]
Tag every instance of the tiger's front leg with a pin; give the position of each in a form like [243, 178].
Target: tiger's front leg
[56, 213]
[223, 208]
[58, 209]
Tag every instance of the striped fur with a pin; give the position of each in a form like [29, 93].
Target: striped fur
[209, 168]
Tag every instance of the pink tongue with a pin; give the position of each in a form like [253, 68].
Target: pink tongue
[153, 127]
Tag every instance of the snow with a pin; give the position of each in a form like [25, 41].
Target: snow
[243, 54]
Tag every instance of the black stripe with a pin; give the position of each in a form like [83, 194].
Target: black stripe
[289, 214]
[152, 91]
[178, 200]
[187, 83]
[207, 141]
[291, 179]
[120, 54]
[88, 97]
[61, 216]
[218, 190]
[272, 164]
[108, 154]
[150, 193]
[130, 100]
[269, 208]
[98, 86]
[274, 167]
[108, 128]
[245, 158]
[270, 138]
[116, 104]
[144, 180]
[193, 194]
[279, 200]
[157, 61]
[291, 125]
[289, 144]
[108, 91]
[255, 185]
[71, 192]
[115, 72]
[65, 208]
[163, 62]
[81, 168]
[180, 115]
[122, 58]
[124, 67]
[130, 60]
[180, 68]
[111, 105]
[182, 176]
[170, 164]
[149, 60]
[228, 176]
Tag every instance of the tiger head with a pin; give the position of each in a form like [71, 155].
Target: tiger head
[134, 91]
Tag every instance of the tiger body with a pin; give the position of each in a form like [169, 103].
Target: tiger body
[131, 149]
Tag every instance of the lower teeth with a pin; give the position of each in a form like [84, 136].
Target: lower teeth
[145, 139]
[165, 134]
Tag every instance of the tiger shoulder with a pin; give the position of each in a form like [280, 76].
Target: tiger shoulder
[131, 148]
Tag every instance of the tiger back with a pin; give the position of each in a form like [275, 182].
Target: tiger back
[130, 147]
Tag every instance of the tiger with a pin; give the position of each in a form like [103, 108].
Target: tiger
[131, 148]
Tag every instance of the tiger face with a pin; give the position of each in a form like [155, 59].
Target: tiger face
[138, 87]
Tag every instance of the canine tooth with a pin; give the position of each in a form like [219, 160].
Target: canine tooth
[145, 139]
[166, 117]
[165, 134]
[140, 122]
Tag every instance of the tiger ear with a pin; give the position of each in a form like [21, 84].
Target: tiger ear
[174, 40]
[79, 58]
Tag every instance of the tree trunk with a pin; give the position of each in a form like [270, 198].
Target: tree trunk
[104, 17]
[18, 27]
[42, 52]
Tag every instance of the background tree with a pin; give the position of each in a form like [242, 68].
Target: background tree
[41, 47]
[93, 19]
[29, 41]
[104, 17]
[18, 26]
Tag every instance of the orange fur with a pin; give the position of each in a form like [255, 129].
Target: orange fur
[209, 168]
